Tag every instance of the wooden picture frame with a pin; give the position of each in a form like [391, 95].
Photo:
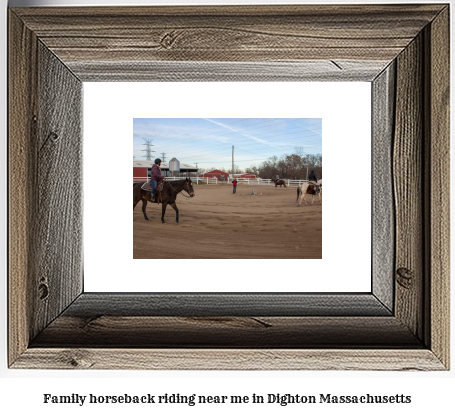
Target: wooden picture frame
[403, 324]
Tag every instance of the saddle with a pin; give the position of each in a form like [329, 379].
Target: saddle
[315, 186]
[148, 188]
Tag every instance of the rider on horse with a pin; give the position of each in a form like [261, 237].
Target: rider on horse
[155, 176]
[312, 178]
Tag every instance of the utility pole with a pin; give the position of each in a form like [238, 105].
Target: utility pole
[148, 148]
[232, 161]
[163, 155]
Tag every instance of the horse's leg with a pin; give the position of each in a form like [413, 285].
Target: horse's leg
[306, 204]
[300, 195]
[144, 204]
[174, 206]
[163, 211]
[135, 198]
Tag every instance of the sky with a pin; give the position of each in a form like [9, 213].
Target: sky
[208, 141]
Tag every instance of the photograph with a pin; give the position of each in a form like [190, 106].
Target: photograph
[227, 188]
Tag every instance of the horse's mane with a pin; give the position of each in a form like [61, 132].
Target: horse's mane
[176, 181]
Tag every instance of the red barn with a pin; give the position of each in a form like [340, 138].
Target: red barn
[140, 171]
[247, 176]
[220, 175]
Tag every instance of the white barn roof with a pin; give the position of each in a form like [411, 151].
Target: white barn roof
[164, 165]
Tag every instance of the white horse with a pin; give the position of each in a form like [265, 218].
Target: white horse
[308, 188]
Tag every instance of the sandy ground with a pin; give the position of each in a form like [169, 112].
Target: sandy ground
[219, 224]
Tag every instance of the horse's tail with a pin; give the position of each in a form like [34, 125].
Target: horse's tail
[298, 193]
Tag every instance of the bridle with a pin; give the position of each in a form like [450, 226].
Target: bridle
[187, 183]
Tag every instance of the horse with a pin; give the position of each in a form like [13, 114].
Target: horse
[167, 196]
[309, 189]
[279, 182]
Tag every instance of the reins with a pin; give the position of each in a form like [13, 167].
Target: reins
[180, 190]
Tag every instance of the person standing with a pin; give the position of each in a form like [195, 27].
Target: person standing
[155, 176]
[234, 186]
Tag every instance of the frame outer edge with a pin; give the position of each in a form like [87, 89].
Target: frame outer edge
[439, 197]
[228, 359]
[23, 291]
[22, 96]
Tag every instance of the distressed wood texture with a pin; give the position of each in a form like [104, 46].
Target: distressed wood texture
[228, 71]
[57, 222]
[258, 332]
[45, 159]
[437, 145]
[383, 220]
[333, 39]
[229, 359]
[90, 305]
[407, 176]
[403, 324]
[22, 132]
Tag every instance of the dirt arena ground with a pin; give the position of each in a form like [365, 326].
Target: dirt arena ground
[219, 224]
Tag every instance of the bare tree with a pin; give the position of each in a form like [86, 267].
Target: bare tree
[293, 166]
[300, 151]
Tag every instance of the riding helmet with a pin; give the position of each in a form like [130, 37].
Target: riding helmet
[157, 161]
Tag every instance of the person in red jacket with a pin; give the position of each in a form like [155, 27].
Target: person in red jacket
[234, 186]
[155, 176]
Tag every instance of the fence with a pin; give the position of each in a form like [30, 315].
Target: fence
[268, 182]
[214, 180]
[195, 180]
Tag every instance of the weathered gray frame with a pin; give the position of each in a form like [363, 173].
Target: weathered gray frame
[402, 324]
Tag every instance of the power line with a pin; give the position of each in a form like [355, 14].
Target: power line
[294, 138]
[148, 148]
[299, 136]
[262, 135]
[241, 132]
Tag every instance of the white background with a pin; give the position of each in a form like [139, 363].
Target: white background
[21, 391]
[109, 109]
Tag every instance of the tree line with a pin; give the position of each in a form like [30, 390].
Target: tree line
[293, 166]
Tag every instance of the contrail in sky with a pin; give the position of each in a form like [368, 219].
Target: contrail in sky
[259, 140]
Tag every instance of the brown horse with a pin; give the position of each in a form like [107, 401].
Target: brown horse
[167, 196]
[279, 183]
